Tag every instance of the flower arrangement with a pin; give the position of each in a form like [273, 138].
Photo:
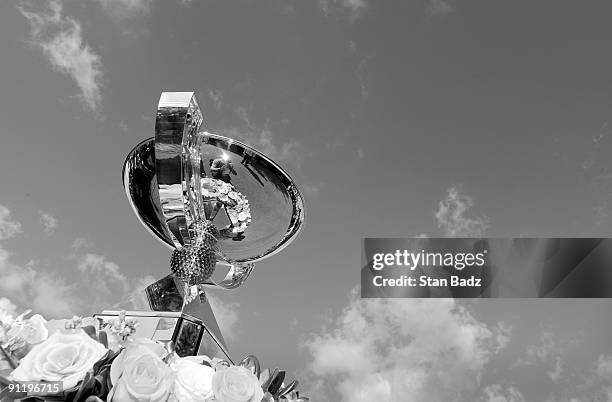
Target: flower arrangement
[76, 360]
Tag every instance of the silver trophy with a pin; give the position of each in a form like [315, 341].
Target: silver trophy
[219, 205]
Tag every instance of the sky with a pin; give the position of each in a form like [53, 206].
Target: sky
[395, 118]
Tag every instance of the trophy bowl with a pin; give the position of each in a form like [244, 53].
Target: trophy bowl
[185, 184]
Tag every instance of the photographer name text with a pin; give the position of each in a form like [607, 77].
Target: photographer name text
[404, 260]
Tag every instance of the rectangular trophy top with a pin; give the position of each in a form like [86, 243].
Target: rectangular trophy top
[175, 99]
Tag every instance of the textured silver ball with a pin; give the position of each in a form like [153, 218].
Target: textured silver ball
[179, 263]
[208, 234]
[206, 260]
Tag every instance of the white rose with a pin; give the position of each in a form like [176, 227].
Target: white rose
[62, 357]
[236, 384]
[193, 381]
[139, 373]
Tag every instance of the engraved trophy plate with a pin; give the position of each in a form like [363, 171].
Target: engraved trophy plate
[190, 335]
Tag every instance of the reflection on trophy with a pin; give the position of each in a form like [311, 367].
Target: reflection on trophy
[220, 206]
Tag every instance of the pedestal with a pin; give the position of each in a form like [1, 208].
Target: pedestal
[192, 328]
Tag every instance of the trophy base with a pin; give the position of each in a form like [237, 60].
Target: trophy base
[189, 334]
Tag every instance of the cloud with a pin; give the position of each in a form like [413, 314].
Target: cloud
[600, 135]
[61, 40]
[125, 9]
[547, 352]
[452, 219]
[604, 367]
[43, 292]
[265, 141]
[9, 227]
[502, 336]
[48, 222]
[557, 371]
[439, 7]
[596, 383]
[216, 97]
[52, 292]
[110, 282]
[352, 7]
[262, 139]
[54, 297]
[360, 75]
[95, 264]
[542, 351]
[226, 315]
[603, 371]
[123, 127]
[311, 189]
[7, 309]
[80, 243]
[384, 350]
[14, 279]
[111, 286]
[496, 393]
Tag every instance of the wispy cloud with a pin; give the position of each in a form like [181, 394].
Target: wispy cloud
[604, 367]
[439, 7]
[7, 308]
[53, 296]
[61, 40]
[27, 286]
[48, 222]
[542, 351]
[594, 384]
[360, 74]
[547, 353]
[110, 282]
[14, 278]
[216, 96]
[42, 291]
[588, 151]
[9, 227]
[352, 7]
[451, 215]
[497, 393]
[95, 265]
[123, 127]
[59, 292]
[124, 9]
[557, 370]
[311, 189]
[383, 350]
[263, 139]
[80, 243]
[226, 315]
